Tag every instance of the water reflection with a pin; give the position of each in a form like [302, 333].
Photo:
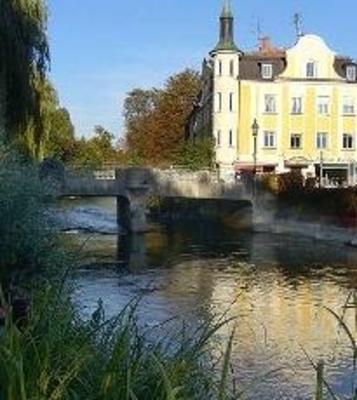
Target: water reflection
[275, 285]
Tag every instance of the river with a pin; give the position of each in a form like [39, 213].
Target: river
[276, 279]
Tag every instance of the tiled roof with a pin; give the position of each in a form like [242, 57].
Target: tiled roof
[250, 64]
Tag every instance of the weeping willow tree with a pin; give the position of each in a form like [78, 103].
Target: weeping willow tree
[24, 59]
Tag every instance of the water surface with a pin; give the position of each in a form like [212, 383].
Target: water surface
[276, 282]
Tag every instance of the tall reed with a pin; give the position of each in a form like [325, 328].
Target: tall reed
[58, 356]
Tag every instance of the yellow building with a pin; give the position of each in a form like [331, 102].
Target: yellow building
[302, 98]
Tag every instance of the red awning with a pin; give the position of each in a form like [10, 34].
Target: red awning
[250, 167]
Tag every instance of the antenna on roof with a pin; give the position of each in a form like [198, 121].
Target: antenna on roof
[257, 30]
[298, 25]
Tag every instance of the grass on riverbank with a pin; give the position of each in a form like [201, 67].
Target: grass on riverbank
[54, 355]
[57, 356]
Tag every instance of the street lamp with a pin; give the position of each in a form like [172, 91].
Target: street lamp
[255, 131]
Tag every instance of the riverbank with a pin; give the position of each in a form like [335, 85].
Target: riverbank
[271, 286]
[51, 352]
[303, 197]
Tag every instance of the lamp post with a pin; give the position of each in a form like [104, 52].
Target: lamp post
[255, 131]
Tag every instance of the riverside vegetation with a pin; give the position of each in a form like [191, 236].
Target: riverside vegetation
[54, 354]
[51, 353]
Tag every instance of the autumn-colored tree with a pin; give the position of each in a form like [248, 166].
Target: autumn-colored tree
[139, 108]
[156, 119]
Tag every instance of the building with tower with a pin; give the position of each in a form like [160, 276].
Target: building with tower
[277, 109]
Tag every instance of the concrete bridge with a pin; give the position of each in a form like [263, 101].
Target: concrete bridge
[132, 186]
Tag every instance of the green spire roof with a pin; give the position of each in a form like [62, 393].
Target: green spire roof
[227, 10]
[226, 36]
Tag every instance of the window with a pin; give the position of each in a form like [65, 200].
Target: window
[231, 100]
[270, 103]
[295, 141]
[348, 105]
[230, 138]
[323, 105]
[267, 71]
[219, 102]
[231, 68]
[269, 139]
[321, 140]
[351, 74]
[347, 141]
[311, 69]
[296, 105]
[220, 68]
[218, 138]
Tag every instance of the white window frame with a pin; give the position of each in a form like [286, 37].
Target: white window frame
[219, 102]
[323, 105]
[220, 68]
[351, 73]
[231, 68]
[349, 104]
[296, 110]
[230, 138]
[269, 139]
[311, 73]
[267, 71]
[218, 139]
[291, 141]
[351, 136]
[322, 140]
[231, 102]
[270, 103]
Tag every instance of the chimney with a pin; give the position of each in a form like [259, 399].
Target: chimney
[266, 45]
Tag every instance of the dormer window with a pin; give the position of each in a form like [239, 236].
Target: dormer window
[351, 73]
[267, 71]
[311, 70]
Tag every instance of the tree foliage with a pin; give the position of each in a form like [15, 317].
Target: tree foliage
[60, 143]
[96, 151]
[24, 58]
[156, 119]
[198, 154]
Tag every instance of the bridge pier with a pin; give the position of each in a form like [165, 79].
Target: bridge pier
[131, 206]
[131, 213]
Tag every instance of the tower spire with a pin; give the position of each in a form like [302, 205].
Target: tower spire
[226, 37]
[227, 10]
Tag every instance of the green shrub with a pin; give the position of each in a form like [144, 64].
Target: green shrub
[28, 240]
[290, 183]
[198, 154]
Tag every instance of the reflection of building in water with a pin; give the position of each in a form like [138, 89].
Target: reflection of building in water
[275, 318]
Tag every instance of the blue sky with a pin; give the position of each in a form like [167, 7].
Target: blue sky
[101, 49]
